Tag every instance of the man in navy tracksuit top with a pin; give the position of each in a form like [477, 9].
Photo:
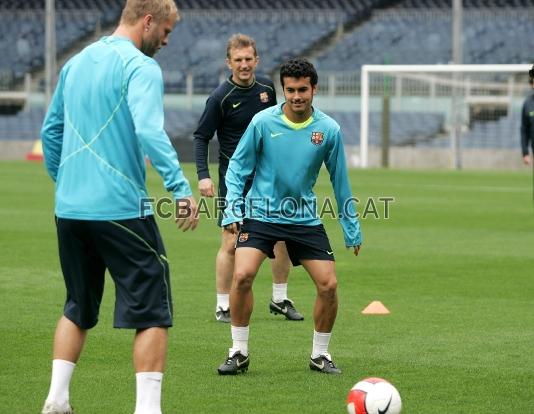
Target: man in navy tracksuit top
[228, 112]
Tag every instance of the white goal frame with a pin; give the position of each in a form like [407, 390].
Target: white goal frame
[438, 68]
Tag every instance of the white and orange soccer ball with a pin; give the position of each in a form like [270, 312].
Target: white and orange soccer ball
[374, 396]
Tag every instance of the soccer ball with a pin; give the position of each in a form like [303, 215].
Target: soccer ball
[374, 396]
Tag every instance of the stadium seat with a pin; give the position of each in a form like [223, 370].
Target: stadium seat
[413, 33]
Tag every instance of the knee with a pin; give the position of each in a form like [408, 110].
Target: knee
[328, 286]
[227, 249]
[243, 279]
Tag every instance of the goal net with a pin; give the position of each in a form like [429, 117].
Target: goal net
[445, 116]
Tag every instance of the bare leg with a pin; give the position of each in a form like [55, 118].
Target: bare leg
[150, 349]
[281, 264]
[149, 352]
[323, 274]
[68, 340]
[68, 344]
[224, 264]
[247, 262]
[324, 313]
[280, 303]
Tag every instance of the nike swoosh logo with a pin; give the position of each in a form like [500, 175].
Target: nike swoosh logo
[242, 362]
[329, 252]
[283, 310]
[385, 410]
[236, 105]
[321, 366]
[277, 134]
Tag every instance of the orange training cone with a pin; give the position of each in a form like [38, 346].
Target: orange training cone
[375, 308]
[36, 153]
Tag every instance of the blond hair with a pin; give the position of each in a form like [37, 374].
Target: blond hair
[239, 41]
[161, 10]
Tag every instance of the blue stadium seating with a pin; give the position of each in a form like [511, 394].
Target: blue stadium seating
[427, 130]
[467, 4]
[347, 5]
[402, 36]
[495, 31]
[406, 128]
[181, 123]
[22, 36]
[22, 28]
[26, 125]
[502, 134]
[198, 43]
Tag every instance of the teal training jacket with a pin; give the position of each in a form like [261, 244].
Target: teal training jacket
[287, 158]
[106, 115]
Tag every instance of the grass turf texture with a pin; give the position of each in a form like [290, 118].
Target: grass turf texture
[454, 264]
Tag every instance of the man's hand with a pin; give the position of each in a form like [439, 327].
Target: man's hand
[186, 213]
[233, 228]
[527, 159]
[206, 188]
[357, 250]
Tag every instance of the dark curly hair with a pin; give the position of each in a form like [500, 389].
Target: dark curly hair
[298, 68]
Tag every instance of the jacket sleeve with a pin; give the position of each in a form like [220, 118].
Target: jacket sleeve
[525, 128]
[336, 166]
[52, 130]
[145, 100]
[207, 125]
[241, 165]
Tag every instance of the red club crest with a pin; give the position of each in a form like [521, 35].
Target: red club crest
[317, 138]
[243, 237]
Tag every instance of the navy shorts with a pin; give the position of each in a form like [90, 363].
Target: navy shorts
[223, 190]
[302, 242]
[133, 253]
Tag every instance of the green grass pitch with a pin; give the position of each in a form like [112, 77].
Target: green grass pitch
[454, 263]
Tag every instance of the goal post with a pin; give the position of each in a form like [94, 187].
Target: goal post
[461, 100]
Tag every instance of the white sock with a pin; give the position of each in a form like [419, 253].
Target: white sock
[223, 301]
[148, 397]
[59, 385]
[239, 339]
[321, 340]
[279, 292]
